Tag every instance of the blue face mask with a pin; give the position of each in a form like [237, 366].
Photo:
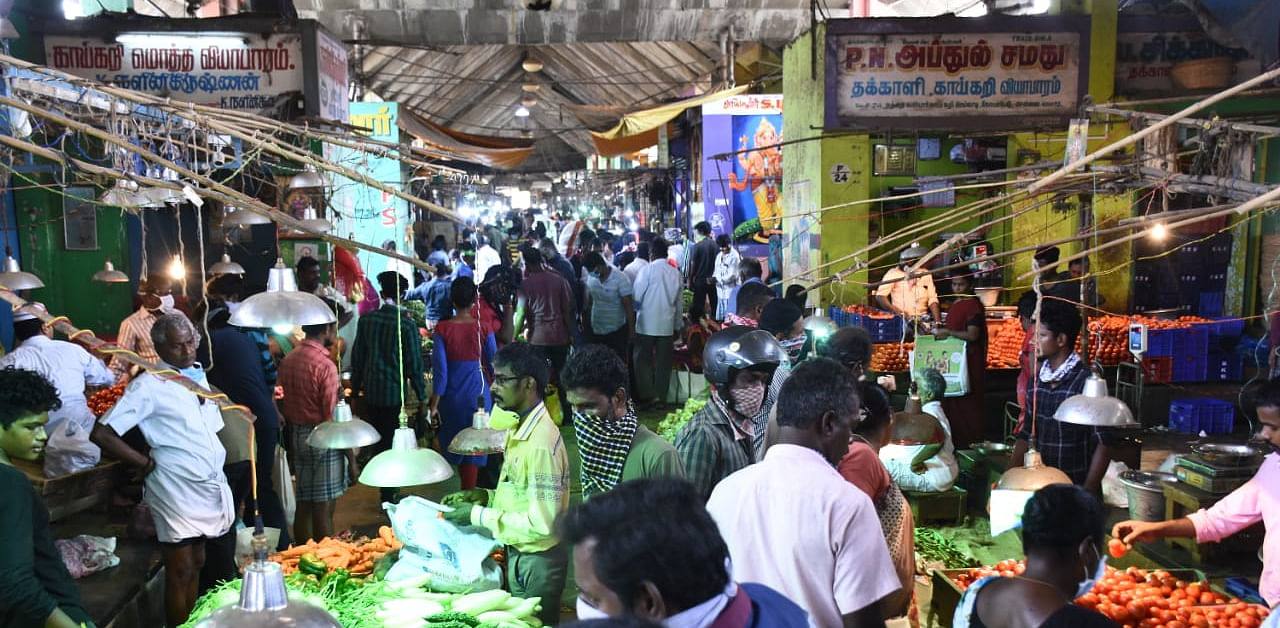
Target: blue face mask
[1089, 582]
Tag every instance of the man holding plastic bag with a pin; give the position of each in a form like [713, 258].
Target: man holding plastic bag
[533, 488]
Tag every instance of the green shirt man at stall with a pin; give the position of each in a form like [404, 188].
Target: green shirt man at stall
[533, 488]
[35, 587]
[613, 446]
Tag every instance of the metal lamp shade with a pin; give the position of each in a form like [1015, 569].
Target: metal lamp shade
[236, 217]
[265, 602]
[343, 432]
[1094, 407]
[311, 220]
[226, 267]
[122, 194]
[1032, 476]
[308, 178]
[480, 438]
[282, 304]
[14, 278]
[820, 325]
[405, 464]
[109, 274]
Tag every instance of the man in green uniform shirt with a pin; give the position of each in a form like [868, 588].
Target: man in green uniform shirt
[614, 447]
[533, 488]
[35, 588]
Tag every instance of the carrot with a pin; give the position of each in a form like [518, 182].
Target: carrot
[296, 551]
[386, 534]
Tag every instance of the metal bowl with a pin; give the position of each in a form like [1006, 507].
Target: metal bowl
[1228, 455]
[987, 448]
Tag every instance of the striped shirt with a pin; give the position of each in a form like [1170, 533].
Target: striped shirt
[310, 382]
[375, 371]
[711, 448]
[1067, 446]
[607, 313]
[135, 336]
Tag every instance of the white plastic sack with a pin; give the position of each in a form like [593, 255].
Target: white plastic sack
[1113, 490]
[282, 480]
[457, 559]
[85, 554]
[69, 450]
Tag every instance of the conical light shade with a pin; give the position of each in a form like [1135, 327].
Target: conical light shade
[913, 424]
[479, 439]
[343, 432]
[405, 464]
[311, 219]
[308, 178]
[820, 325]
[153, 197]
[264, 601]
[226, 267]
[1032, 476]
[236, 217]
[14, 278]
[282, 304]
[122, 194]
[109, 274]
[1093, 406]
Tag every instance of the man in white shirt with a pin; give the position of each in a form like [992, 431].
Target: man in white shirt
[632, 269]
[658, 299]
[922, 456]
[486, 256]
[793, 524]
[69, 367]
[185, 486]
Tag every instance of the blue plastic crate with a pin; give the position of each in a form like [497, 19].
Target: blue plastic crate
[883, 329]
[1226, 328]
[1160, 341]
[1192, 416]
[1211, 304]
[1189, 368]
[1224, 367]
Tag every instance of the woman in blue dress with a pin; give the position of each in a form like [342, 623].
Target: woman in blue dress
[461, 350]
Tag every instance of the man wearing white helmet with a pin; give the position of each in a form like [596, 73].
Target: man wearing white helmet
[909, 296]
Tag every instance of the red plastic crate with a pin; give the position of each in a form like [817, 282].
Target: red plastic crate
[1157, 370]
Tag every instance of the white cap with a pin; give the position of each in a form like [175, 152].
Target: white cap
[24, 315]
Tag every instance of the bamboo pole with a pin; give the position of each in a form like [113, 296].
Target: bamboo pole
[1136, 137]
[88, 339]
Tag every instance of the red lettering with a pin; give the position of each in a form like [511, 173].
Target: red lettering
[388, 216]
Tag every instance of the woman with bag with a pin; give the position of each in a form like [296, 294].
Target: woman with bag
[457, 376]
[966, 319]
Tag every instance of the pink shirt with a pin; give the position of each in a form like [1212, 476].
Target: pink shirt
[793, 524]
[1258, 500]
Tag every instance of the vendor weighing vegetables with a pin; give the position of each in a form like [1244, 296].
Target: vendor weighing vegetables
[1258, 500]
[533, 488]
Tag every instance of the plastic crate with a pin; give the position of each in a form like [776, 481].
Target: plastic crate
[883, 329]
[1160, 341]
[1224, 367]
[1192, 416]
[1157, 370]
[1190, 368]
[1211, 304]
[1226, 327]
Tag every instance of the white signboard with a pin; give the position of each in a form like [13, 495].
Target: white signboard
[744, 104]
[231, 71]
[906, 77]
[331, 68]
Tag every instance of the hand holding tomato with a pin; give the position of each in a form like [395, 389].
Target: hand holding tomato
[1117, 548]
[1130, 532]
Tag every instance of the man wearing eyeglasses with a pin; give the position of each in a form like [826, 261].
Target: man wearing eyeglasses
[533, 488]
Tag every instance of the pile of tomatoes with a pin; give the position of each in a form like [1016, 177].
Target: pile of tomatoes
[1113, 333]
[867, 311]
[1137, 598]
[891, 357]
[1005, 345]
[104, 399]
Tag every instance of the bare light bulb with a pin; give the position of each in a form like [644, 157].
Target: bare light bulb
[176, 269]
[1159, 232]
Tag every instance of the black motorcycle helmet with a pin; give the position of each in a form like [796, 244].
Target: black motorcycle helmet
[736, 348]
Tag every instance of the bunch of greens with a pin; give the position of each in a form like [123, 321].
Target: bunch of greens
[933, 547]
[671, 424]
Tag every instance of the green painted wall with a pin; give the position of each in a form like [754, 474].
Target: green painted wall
[68, 290]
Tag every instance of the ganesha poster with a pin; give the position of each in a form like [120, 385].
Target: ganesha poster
[742, 137]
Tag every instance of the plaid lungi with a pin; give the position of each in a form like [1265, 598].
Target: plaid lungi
[321, 473]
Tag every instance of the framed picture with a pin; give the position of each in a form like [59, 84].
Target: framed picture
[80, 219]
[894, 160]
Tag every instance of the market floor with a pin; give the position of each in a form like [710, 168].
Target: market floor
[359, 509]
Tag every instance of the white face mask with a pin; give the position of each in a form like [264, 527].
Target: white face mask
[587, 611]
[1088, 583]
[166, 301]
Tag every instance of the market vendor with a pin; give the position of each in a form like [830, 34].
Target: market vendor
[921, 456]
[156, 294]
[1062, 527]
[650, 550]
[1080, 451]
[1257, 500]
[614, 447]
[1053, 283]
[967, 320]
[909, 296]
[534, 486]
[739, 364]
[185, 486]
[785, 320]
[35, 587]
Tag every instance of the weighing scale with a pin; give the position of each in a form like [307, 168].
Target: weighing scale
[1211, 478]
[1129, 388]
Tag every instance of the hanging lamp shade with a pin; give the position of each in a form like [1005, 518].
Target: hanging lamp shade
[264, 600]
[1033, 475]
[1095, 407]
[531, 65]
[225, 267]
[122, 194]
[235, 217]
[282, 304]
[405, 464]
[529, 101]
[820, 325]
[14, 278]
[311, 219]
[480, 438]
[343, 432]
[109, 274]
[914, 424]
[531, 87]
[309, 177]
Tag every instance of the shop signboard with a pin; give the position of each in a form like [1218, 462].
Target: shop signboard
[237, 71]
[331, 77]
[1148, 48]
[367, 214]
[745, 184]
[955, 73]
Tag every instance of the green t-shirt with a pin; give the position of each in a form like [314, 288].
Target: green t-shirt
[651, 456]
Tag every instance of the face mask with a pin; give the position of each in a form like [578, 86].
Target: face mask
[166, 301]
[232, 306]
[747, 401]
[587, 611]
[793, 346]
[1089, 582]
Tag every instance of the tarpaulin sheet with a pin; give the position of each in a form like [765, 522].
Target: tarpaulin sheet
[494, 152]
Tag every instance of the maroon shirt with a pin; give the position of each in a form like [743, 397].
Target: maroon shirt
[547, 297]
